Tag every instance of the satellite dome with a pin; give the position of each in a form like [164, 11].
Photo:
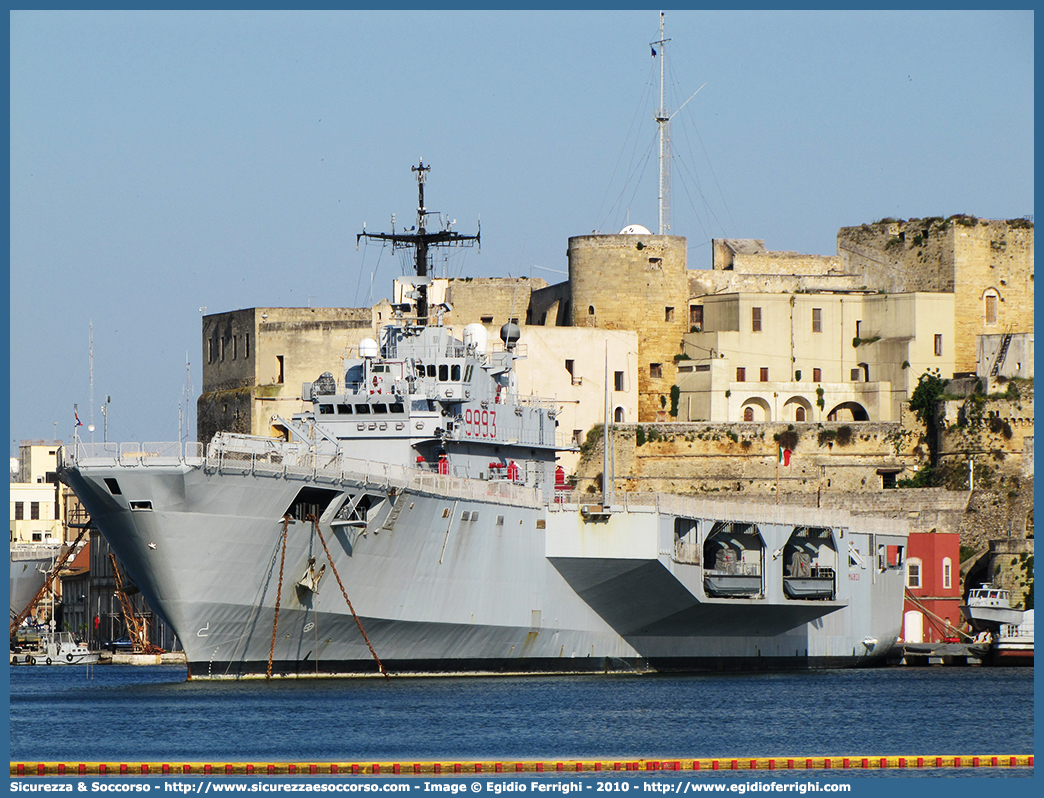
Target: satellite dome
[475, 335]
[509, 334]
[635, 230]
[368, 348]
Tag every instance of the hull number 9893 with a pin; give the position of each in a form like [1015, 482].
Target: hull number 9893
[480, 423]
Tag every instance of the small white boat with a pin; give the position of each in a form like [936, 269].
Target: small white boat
[989, 608]
[56, 648]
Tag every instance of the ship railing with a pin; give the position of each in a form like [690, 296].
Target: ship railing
[129, 453]
[336, 469]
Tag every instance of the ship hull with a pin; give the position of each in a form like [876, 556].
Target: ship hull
[29, 567]
[455, 576]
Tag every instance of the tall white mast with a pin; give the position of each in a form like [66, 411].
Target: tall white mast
[663, 122]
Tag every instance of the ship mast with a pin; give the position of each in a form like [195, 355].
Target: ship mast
[422, 242]
[663, 120]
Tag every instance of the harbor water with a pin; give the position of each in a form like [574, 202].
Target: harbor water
[112, 712]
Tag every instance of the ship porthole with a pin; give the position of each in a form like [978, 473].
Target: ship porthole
[69, 657]
[48, 660]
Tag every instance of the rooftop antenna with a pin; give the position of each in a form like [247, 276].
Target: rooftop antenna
[90, 357]
[663, 121]
[422, 242]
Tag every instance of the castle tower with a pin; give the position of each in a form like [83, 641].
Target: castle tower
[634, 281]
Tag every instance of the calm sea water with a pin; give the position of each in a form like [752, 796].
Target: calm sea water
[153, 714]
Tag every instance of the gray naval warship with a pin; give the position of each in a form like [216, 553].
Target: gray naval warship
[412, 521]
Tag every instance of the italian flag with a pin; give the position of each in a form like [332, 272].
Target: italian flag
[784, 456]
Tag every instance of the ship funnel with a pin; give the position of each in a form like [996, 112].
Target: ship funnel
[475, 335]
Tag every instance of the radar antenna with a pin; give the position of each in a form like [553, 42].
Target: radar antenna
[422, 242]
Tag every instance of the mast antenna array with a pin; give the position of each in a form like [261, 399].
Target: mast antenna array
[663, 121]
[422, 242]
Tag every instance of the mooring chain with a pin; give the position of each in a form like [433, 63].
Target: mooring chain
[279, 594]
[315, 524]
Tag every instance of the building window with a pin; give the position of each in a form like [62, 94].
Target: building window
[578, 437]
[741, 374]
[590, 310]
[817, 375]
[569, 367]
[991, 306]
[913, 573]
[210, 350]
[279, 369]
[618, 381]
[696, 316]
[668, 315]
[19, 511]
[947, 573]
[246, 344]
[764, 374]
[858, 325]
[235, 347]
[938, 346]
[799, 414]
[34, 511]
[618, 415]
[486, 319]
[755, 319]
[817, 320]
[748, 414]
[656, 370]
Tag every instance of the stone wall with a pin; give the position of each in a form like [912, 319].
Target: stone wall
[498, 299]
[742, 458]
[962, 255]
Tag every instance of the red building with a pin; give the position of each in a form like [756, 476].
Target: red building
[931, 611]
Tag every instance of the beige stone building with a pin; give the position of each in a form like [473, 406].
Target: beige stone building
[986, 264]
[806, 357]
[255, 360]
[40, 504]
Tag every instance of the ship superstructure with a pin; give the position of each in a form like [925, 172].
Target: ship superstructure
[412, 520]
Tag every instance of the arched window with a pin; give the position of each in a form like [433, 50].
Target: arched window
[748, 414]
[799, 413]
[989, 300]
[913, 572]
[590, 310]
[947, 573]
[618, 415]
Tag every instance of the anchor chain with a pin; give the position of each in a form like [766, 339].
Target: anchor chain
[315, 524]
[279, 593]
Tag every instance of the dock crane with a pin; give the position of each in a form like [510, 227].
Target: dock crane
[58, 566]
[134, 629]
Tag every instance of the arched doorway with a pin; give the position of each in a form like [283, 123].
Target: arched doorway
[848, 411]
[913, 626]
[756, 409]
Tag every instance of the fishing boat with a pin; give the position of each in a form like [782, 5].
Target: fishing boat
[54, 648]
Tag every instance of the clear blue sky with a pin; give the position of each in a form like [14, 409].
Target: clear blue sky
[163, 162]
